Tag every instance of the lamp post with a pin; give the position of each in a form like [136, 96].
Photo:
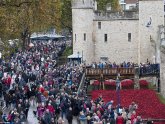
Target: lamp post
[78, 53]
[82, 57]
[118, 92]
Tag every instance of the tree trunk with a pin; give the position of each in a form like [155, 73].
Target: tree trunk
[23, 42]
[25, 37]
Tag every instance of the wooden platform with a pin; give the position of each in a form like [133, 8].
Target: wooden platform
[109, 73]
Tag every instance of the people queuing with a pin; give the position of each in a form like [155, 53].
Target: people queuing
[32, 78]
[124, 64]
[112, 65]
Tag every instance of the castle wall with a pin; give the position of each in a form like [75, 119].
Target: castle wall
[117, 48]
[150, 17]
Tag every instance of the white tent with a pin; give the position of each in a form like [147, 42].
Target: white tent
[31, 45]
[74, 56]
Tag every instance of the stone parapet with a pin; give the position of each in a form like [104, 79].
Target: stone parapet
[125, 15]
[80, 4]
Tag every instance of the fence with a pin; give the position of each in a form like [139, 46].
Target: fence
[109, 71]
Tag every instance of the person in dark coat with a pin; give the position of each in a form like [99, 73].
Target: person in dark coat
[26, 107]
[7, 98]
[1, 113]
[75, 109]
[69, 116]
[22, 117]
[47, 117]
[1, 88]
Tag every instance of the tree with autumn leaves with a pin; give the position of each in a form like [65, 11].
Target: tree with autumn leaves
[20, 18]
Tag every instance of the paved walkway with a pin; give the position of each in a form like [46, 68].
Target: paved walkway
[33, 120]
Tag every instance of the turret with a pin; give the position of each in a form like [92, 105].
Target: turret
[82, 25]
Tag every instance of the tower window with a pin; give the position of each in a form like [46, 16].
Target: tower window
[84, 36]
[75, 37]
[129, 37]
[105, 38]
[99, 25]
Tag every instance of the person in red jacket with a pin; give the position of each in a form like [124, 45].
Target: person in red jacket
[51, 108]
[41, 89]
[8, 81]
[119, 119]
[133, 117]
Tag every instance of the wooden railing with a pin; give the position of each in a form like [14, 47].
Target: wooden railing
[93, 71]
[109, 71]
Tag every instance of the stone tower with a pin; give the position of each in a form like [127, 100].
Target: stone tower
[82, 24]
[151, 15]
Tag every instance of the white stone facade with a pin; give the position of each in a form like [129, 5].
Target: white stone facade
[117, 47]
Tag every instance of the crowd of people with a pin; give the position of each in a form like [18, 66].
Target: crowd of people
[112, 65]
[32, 78]
[124, 64]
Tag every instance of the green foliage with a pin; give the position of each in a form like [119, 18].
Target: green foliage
[68, 51]
[19, 19]
[103, 3]
[66, 20]
[151, 86]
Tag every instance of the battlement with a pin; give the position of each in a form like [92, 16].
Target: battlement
[80, 4]
[109, 15]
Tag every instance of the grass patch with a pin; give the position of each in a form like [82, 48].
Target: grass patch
[65, 54]
[151, 86]
[161, 98]
[67, 51]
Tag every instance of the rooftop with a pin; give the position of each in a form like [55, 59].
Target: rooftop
[131, 1]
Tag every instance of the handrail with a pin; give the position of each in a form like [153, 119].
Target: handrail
[153, 69]
[81, 83]
[148, 70]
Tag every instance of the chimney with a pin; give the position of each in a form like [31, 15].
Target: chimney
[95, 5]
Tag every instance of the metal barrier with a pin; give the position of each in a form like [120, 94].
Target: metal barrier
[150, 70]
[81, 84]
[154, 120]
